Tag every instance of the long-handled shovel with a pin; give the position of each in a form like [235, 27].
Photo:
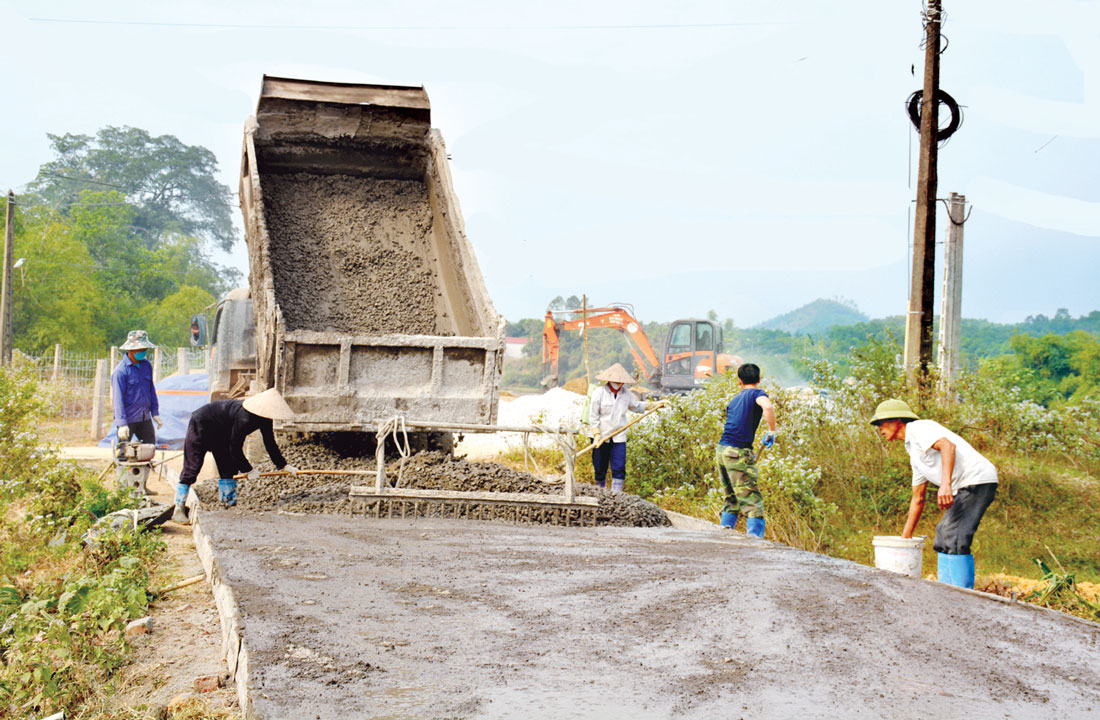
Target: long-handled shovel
[616, 431]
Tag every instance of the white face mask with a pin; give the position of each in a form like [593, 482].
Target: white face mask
[615, 386]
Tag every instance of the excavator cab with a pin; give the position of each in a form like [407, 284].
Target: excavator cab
[691, 352]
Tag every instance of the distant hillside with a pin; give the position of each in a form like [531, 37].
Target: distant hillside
[816, 317]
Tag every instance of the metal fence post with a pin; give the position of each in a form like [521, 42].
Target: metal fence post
[99, 396]
[183, 361]
[56, 363]
[156, 365]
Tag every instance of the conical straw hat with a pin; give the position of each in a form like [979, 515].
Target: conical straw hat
[616, 373]
[268, 404]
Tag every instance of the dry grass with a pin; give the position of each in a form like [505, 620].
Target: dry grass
[66, 431]
[1004, 585]
[182, 708]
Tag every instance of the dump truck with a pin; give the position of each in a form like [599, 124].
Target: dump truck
[367, 297]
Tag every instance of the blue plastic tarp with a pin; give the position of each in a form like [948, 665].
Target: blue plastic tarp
[179, 396]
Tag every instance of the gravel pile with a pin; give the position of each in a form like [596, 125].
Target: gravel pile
[428, 469]
[353, 254]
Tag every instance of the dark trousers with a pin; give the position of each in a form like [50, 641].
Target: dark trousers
[143, 430]
[194, 452]
[611, 454]
[956, 529]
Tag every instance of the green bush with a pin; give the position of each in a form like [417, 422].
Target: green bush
[63, 605]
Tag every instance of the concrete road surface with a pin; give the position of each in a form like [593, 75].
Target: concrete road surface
[355, 618]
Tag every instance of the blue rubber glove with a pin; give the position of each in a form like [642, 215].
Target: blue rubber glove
[769, 438]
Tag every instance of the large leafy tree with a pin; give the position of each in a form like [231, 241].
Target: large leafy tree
[55, 296]
[172, 186]
[114, 234]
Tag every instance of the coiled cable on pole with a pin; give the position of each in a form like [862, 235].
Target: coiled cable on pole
[913, 105]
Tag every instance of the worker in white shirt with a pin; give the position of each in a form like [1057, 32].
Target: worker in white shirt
[967, 483]
[607, 412]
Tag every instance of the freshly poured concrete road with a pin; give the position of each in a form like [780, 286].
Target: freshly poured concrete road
[355, 618]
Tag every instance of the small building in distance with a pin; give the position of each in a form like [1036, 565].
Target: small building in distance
[513, 346]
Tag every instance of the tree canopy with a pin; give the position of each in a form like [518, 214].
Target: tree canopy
[113, 237]
[172, 186]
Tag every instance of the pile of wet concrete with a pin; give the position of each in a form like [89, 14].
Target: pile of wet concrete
[353, 254]
[427, 469]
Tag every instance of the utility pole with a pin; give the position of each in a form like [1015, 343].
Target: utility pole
[6, 334]
[951, 310]
[918, 321]
[584, 314]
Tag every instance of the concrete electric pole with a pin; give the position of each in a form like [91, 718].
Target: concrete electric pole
[6, 334]
[918, 321]
[951, 309]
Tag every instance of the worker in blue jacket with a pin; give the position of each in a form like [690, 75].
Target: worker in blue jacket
[132, 392]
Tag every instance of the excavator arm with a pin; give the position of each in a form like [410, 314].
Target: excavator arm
[615, 318]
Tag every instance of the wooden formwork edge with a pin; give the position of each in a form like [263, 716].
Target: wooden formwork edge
[234, 650]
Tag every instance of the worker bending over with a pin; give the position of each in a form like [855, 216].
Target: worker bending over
[736, 462]
[134, 397]
[220, 428]
[967, 483]
[607, 413]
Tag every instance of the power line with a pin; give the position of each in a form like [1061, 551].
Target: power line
[416, 28]
[93, 182]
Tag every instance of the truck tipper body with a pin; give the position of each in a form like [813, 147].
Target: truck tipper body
[368, 300]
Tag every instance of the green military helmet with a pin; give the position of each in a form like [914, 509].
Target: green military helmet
[893, 410]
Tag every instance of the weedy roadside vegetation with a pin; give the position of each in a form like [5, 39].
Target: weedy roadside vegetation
[63, 604]
[830, 483]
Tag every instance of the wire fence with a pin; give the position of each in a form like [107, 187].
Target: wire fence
[66, 379]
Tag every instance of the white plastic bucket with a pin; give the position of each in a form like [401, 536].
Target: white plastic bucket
[898, 554]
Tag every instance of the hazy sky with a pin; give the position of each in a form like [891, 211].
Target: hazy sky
[736, 156]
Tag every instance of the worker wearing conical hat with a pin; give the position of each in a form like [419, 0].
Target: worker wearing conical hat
[220, 428]
[967, 484]
[607, 412]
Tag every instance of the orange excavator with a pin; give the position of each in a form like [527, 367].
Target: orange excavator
[692, 352]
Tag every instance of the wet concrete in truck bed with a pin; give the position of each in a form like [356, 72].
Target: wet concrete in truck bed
[353, 254]
[350, 617]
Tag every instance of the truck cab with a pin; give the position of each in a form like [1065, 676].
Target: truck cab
[232, 346]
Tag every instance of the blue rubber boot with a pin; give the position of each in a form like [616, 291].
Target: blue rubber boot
[729, 520]
[179, 514]
[963, 574]
[755, 527]
[227, 492]
[617, 484]
[945, 568]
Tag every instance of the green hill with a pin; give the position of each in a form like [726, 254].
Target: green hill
[816, 317]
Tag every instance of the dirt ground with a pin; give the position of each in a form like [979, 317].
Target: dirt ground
[350, 617]
[186, 638]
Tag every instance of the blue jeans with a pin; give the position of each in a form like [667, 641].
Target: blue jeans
[613, 454]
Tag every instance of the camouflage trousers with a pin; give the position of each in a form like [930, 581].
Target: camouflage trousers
[737, 467]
